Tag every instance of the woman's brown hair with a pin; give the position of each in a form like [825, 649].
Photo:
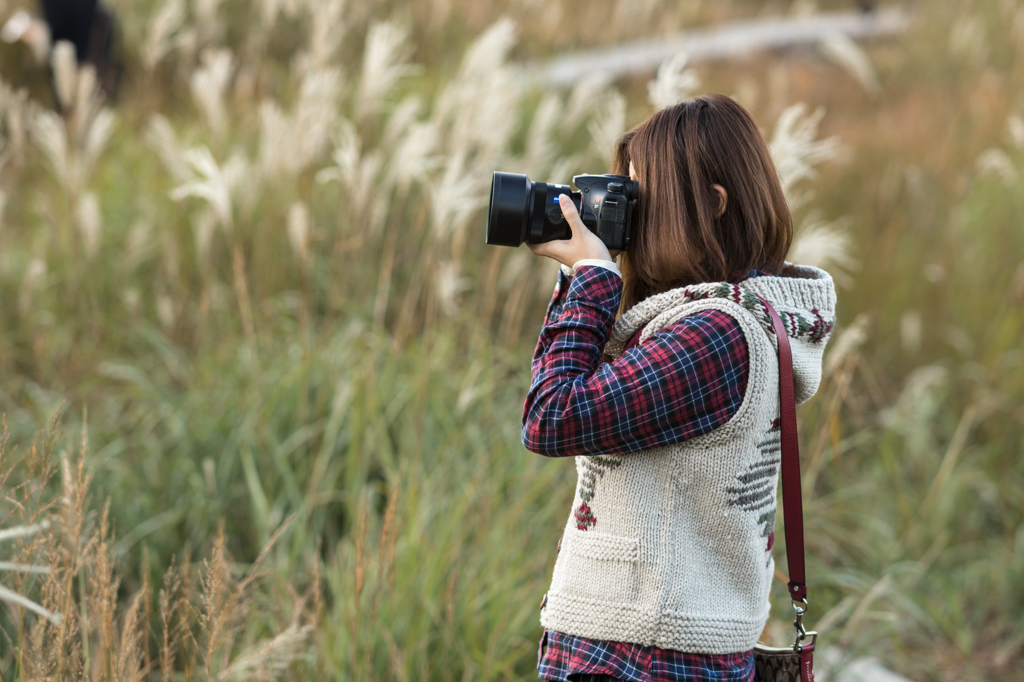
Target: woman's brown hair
[680, 235]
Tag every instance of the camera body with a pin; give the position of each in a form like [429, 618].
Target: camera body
[524, 211]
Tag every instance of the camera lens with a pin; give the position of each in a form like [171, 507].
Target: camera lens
[509, 214]
[524, 211]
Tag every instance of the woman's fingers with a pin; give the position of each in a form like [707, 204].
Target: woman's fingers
[582, 244]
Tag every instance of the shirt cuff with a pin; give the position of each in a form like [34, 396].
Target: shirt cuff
[598, 263]
[596, 286]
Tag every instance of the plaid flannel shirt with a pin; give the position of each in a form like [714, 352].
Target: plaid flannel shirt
[563, 655]
[682, 382]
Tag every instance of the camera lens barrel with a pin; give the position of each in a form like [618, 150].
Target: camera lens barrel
[510, 206]
[524, 211]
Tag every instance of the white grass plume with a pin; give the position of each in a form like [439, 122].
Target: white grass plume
[327, 32]
[413, 145]
[608, 124]
[997, 163]
[25, 568]
[160, 33]
[95, 138]
[275, 139]
[32, 528]
[90, 224]
[51, 136]
[449, 285]
[357, 172]
[316, 114]
[414, 156]
[12, 597]
[845, 53]
[91, 124]
[72, 153]
[847, 341]
[968, 41]
[209, 182]
[673, 83]
[403, 115]
[490, 50]
[270, 658]
[23, 27]
[1015, 126]
[474, 108]
[16, 109]
[455, 196]
[586, 96]
[298, 230]
[164, 141]
[383, 65]
[796, 152]
[291, 142]
[65, 72]
[540, 138]
[87, 98]
[826, 245]
[209, 84]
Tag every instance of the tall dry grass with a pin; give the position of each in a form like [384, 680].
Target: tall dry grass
[70, 619]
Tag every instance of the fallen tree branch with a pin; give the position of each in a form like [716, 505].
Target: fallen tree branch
[724, 42]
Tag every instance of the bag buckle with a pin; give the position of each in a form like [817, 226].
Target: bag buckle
[800, 608]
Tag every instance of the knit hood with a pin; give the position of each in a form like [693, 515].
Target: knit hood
[804, 297]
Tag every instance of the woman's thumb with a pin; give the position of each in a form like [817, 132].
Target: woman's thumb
[572, 216]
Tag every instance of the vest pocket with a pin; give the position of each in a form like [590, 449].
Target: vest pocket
[600, 566]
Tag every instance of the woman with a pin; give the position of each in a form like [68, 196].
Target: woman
[664, 567]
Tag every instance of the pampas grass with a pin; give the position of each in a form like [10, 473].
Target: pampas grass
[209, 85]
[160, 33]
[797, 151]
[383, 65]
[674, 83]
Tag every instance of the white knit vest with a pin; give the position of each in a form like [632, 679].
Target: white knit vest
[669, 547]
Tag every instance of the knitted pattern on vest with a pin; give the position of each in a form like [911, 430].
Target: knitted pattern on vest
[681, 558]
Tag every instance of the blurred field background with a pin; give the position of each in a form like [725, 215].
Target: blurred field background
[288, 375]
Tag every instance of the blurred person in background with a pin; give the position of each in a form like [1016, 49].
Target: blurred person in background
[86, 24]
[662, 381]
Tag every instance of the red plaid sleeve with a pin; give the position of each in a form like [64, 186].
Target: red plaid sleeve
[681, 383]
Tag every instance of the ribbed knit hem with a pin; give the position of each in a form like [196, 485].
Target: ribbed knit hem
[594, 619]
[699, 634]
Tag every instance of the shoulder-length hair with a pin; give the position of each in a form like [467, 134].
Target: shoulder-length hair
[680, 235]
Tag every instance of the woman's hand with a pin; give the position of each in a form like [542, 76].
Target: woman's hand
[583, 244]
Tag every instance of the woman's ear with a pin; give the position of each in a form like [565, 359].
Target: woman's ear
[723, 198]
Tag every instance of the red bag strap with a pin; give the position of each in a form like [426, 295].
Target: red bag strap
[792, 504]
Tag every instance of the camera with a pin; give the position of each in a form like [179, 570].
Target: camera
[524, 211]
